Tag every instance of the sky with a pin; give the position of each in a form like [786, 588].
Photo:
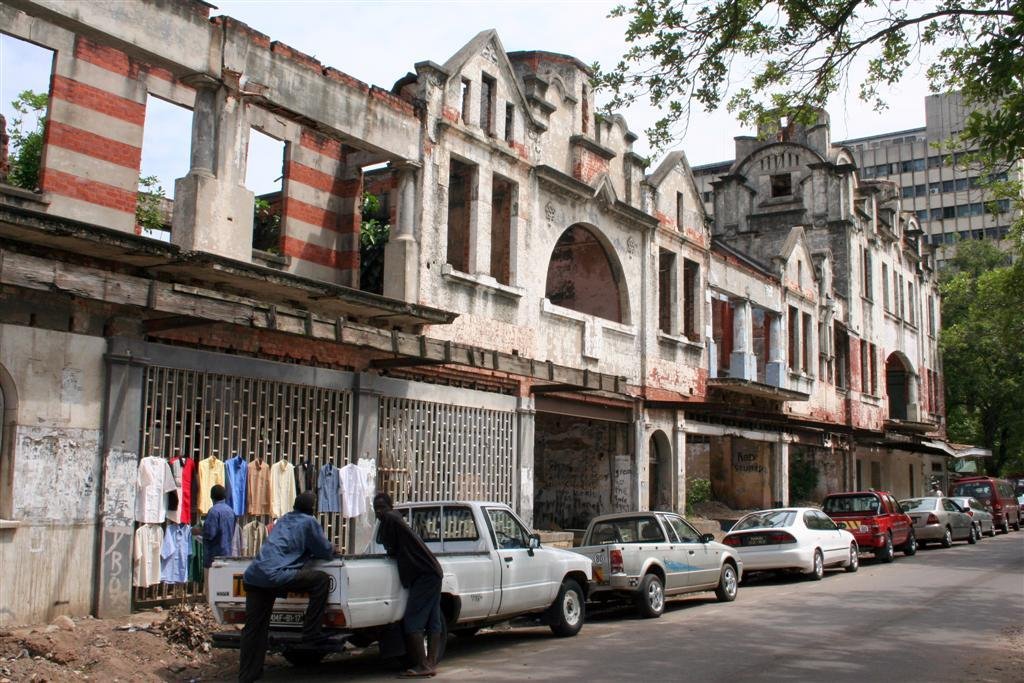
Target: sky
[379, 41]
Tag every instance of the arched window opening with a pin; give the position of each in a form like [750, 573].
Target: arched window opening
[896, 377]
[659, 472]
[581, 276]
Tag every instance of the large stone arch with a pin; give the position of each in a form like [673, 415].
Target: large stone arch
[584, 275]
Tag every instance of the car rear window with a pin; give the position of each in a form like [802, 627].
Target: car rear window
[774, 519]
[912, 504]
[863, 504]
[982, 490]
[629, 530]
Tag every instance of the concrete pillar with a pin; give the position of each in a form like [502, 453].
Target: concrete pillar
[401, 254]
[780, 474]
[641, 465]
[121, 454]
[679, 455]
[743, 362]
[212, 207]
[525, 440]
[775, 368]
[365, 448]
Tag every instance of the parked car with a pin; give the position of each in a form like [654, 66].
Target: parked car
[997, 494]
[940, 519]
[875, 519]
[977, 511]
[495, 570]
[648, 556]
[804, 539]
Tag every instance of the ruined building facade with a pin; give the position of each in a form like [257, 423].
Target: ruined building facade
[561, 328]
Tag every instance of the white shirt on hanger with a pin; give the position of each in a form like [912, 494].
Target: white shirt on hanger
[282, 488]
[353, 491]
[154, 482]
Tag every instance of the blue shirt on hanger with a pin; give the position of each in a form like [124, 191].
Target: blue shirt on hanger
[327, 486]
[236, 471]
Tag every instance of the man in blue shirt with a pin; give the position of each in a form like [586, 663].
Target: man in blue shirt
[279, 568]
[218, 528]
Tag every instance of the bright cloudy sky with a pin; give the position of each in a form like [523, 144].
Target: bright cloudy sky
[378, 41]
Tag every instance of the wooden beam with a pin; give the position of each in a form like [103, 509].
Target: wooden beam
[385, 363]
[172, 322]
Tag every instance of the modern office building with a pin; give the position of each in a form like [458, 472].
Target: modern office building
[947, 195]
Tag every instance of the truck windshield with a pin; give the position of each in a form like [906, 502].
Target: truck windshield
[866, 504]
[773, 519]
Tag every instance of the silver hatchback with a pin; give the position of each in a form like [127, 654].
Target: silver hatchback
[979, 513]
[939, 519]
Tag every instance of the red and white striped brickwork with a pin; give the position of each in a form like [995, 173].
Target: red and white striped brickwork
[321, 212]
[94, 134]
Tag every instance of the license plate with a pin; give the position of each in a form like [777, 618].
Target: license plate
[757, 540]
[863, 529]
[286, 618]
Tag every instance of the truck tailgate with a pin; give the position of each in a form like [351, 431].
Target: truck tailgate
[601, 557]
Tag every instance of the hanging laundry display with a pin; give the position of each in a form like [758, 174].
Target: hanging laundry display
[154, 481]
[353, 491]
[258, 489]
[236, 473]
[305, 476]
[149, 539]
[253, 535]
[282, 488]
[183, 468]
[328, 488]
[174, 553]
[210, 472]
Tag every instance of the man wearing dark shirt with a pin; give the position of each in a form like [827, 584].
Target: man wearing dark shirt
[295, 539]
[421, 573]
[218, 527]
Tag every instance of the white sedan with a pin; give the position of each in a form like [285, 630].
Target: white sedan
[804, 539]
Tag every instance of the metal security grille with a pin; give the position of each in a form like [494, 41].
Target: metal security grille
[200, 414]
[435, 451]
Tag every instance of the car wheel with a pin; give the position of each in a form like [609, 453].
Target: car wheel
[972, 538]
[991, 531]
[910, 547]
[650, 599]
[303, 658]
[566, 614]
[817, 567]
[1006, 526]
[885, 553]
[1016, 527]
[728, 584]
[854, 563]
[947, 538]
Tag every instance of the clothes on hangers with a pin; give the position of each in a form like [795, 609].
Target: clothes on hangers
[236, 472]
[305, 476]
[328, 487]
[149, 539]
[175, 552]
[353, 491]
[154, 481]
[210, 471]
[258, 489]
[253, 535]
[183, 468]
[282, 488]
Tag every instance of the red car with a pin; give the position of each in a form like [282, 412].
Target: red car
[876, 520]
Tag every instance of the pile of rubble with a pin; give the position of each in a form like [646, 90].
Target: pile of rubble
[190, 625]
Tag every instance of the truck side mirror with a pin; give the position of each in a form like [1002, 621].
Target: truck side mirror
[534, 543]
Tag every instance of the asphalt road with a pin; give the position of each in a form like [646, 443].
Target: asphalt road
[944, 615]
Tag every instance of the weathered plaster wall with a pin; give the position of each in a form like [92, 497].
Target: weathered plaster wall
[55, 473]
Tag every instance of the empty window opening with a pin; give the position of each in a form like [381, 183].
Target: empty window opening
[510, 122]
[503, 201]
[581, 276]
[794, 339]
[488, 90]
[667, 292]
[374, 227]
[868, 286]
[782, 185]
[691, 300]
[896, 378]
[264, 174]
[680, 208]
[585, 110]
[760, 321]
[721, 332]
[885, 287]
[806, 329]
[461, 187]
[467, 93]
[164, 160]
[842, 341]
[24, 100]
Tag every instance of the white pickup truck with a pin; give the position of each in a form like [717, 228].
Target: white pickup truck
[495, 570]
[647, 556]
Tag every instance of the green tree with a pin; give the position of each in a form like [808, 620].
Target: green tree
[761, 58]
[149, 212]
[27, 140]
[266, 226]
[373, 236]
[983, 355]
